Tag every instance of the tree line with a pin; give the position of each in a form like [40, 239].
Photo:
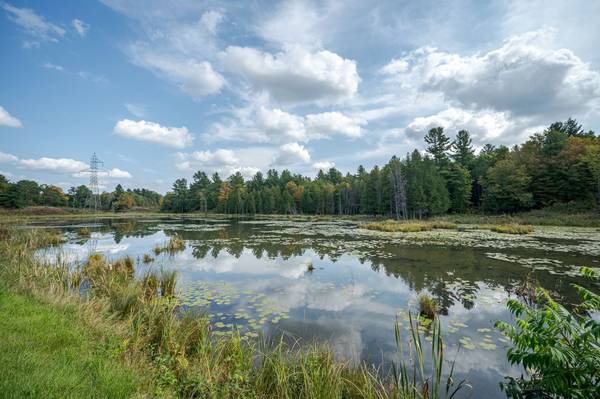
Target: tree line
[559, 165]
[25, 193]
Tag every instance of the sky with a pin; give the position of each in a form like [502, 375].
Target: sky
[161, 88]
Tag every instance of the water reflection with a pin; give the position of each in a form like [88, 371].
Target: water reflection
[254, 276]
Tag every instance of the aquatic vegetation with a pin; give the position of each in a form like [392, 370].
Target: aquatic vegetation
[561, 348]
[427, 306]
[440, 224]
[47, 238]
[175, 244]
[395, 226]
[513, 229]
[84, 232]
[147, 258]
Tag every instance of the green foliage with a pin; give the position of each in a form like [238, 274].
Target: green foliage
[505, 187]
[559, 348]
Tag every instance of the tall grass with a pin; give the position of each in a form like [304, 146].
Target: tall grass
[391, 225]
[513, 229]
[174, 245]
[427, 306]
[185, 359]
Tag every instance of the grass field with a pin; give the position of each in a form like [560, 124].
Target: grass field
[45, 352]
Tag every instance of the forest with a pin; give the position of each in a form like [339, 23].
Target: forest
[560, 165]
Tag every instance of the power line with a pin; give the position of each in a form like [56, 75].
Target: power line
[95, 163]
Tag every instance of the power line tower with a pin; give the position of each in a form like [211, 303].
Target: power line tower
[95, 165]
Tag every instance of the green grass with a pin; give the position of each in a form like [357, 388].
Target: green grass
[46, 353]
[393, 226]
[513, 229]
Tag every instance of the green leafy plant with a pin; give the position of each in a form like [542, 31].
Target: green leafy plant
[559, 349]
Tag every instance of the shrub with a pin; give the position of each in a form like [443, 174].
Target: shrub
[513, 229]
[560, 349]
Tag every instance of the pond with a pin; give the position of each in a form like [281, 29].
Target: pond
[256, 276]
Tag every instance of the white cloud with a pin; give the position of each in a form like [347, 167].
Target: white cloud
[177, 137]
[7, 119]
[323, 165]
[34, 24]
[219, 158]
[394, 67]
[197, 78]
[117, 173]
[293, 22]
[290, 154]
[295, 75]
[54, 165]
[80, 27]
[226, 161]
[484, 126]
[525, 77]
[49, 65]
[329, 123]
[272, 125]
[211, 20]
[136, 109]
[279, 124]
[6, 158]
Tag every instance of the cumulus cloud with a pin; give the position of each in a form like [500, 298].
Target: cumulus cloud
[117, 173]
[279, 124]
[323, 165]
[7, 119]
[219, 158]
[525, 77]
[6, 158]
[273, 125]
[35, 25]
[176, 42]
[484, 126]
[295, 75]
[328, 123]
[195, 77]
[54, 165]
[290, 154]
[80, 27]
[177, 137]
[225, 161]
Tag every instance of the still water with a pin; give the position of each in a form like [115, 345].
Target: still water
[254, 276]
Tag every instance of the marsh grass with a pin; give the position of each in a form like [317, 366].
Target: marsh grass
[84, 232]
[393, 226]
[178, 355]
[147, 258]
[513, 229]
[174, 245]
[427, 306]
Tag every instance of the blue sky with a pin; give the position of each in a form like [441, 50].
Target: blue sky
[159, 89]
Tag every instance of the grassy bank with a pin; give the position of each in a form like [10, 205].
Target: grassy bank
[542, 217]
[139, 326]
[45, 351]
